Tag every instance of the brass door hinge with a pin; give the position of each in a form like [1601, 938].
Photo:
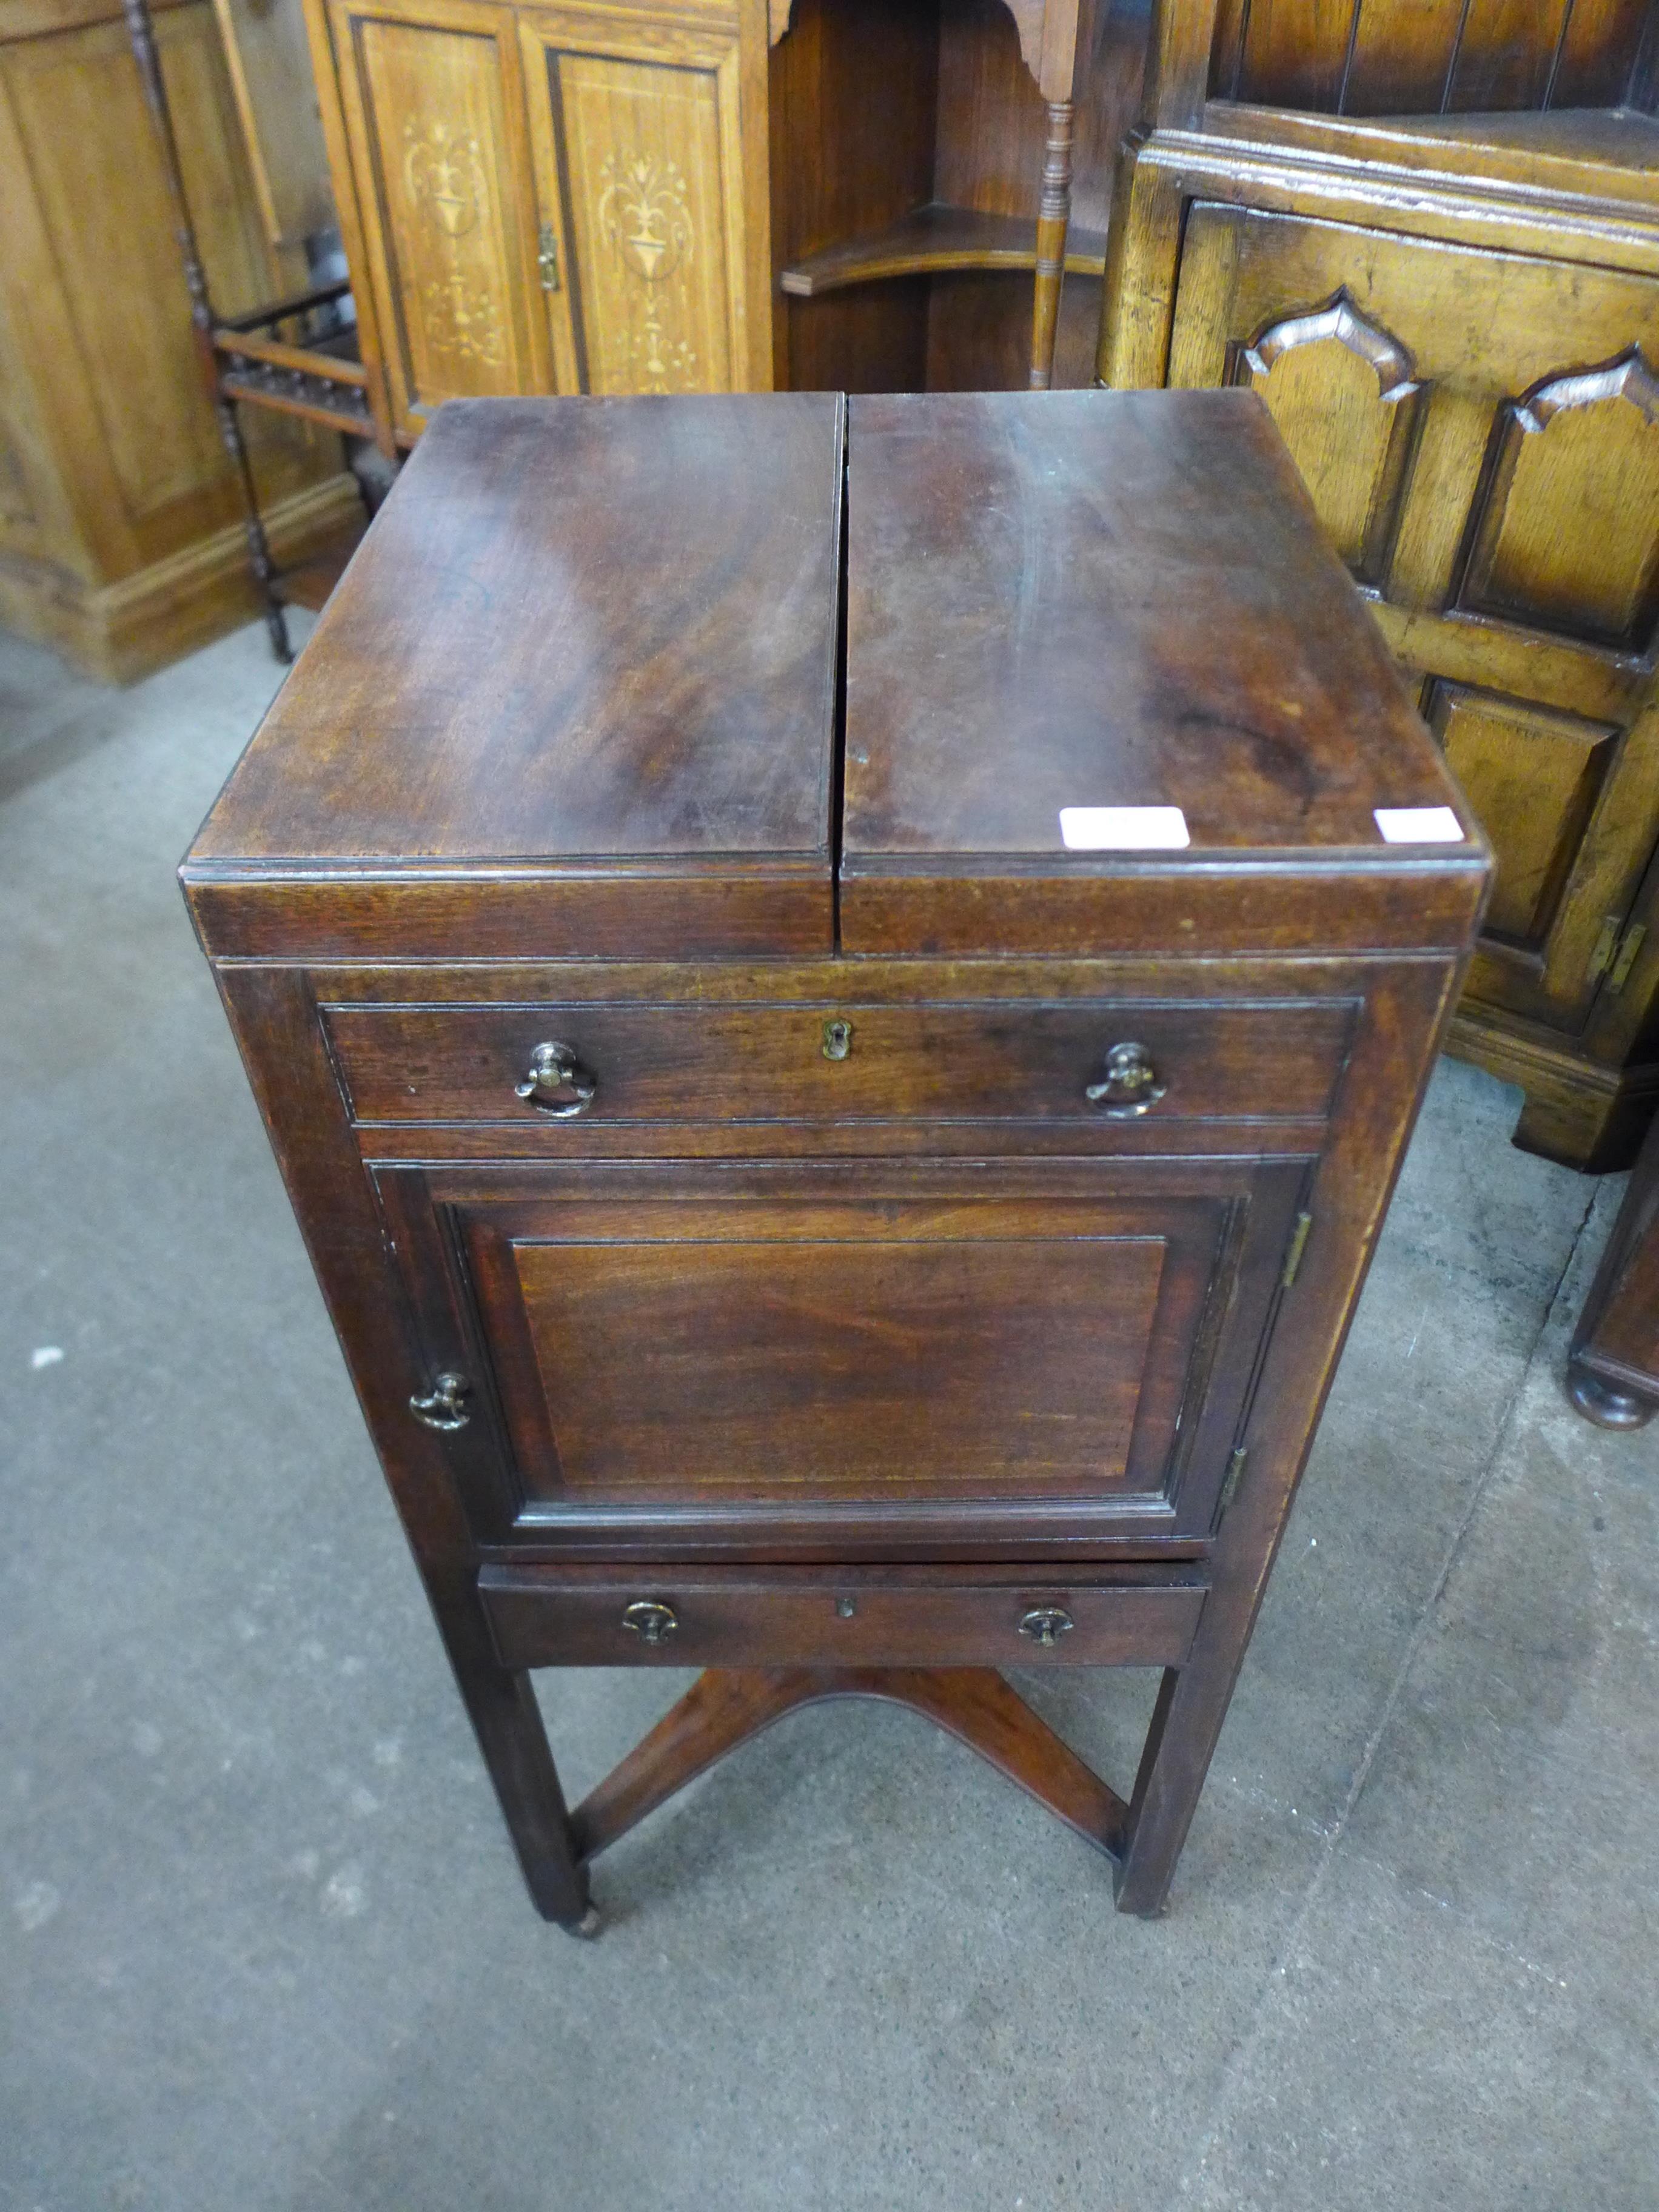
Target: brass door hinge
[1231, 1480]
[1299, 1246]
[1601, 952]
[547, 257]
[1626, 959]
[1614, 955]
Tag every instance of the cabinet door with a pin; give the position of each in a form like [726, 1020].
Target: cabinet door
[433, 109]
[896, 1358]
[119, 459]
[639, 169]
[1479, 433]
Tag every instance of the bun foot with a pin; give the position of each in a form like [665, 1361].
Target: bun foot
[1602, 1403]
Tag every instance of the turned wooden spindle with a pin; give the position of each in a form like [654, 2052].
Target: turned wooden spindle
[1053, 217]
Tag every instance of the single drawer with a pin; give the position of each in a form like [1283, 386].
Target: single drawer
[855, 1617]
[1081, 1060]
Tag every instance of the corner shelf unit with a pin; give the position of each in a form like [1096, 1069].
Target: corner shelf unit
[936, 237]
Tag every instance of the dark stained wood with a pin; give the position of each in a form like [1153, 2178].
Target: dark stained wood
[946, 1352]
[1418, 57]
[1057, 1352]
[936, 237]
[1613, 1367]
[979, 332]
[975, 1705]
[767, 1063]
[909, 147]
[524, 666]
[1036, 545]
[855, 1616]
[852, 90]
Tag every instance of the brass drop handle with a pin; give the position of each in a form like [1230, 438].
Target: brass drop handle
[652, 1622]
[1129, 1086]
[557, 1083]
[446, 1408]
[1046, 1625]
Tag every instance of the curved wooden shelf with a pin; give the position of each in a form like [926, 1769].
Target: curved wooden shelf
[937, 238]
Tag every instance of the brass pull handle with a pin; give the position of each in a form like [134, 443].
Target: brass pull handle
[446, 1408]
[653, 1623]
[1046, 1625]
[1129, 1086]
[557, 1083]
[547, 257]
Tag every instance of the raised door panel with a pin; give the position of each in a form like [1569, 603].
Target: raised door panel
[435, 113]
[118, 376]
[1063, 1348]
[1341, 394]
[1480, 436]
[1566, 533]
[639, 170]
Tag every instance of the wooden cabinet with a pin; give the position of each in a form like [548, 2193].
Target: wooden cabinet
[797, 1198]
[1459, 341]
[120, 524]
[721, 195]
[550, 200]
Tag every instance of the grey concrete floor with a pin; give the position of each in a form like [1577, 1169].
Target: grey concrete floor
[262, 1945]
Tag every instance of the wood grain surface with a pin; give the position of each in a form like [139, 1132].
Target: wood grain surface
[580, 630]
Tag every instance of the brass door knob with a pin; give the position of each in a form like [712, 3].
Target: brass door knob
[653, 1623]
[1046, 1625]
[557, 1083]
[446, 1408]
[1129, 1086]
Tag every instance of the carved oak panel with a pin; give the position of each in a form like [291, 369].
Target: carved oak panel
[1342, 392]
[1566, 534]
[1534, 778]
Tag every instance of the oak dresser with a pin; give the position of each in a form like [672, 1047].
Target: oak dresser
[838, 988]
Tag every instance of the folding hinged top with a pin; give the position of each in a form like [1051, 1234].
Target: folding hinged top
[1108, 686]
[575, 695]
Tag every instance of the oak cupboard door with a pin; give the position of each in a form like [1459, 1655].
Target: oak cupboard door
[434, 108]
[1499, 497]
[636, 128]
[1038, 1348]
[92, 291]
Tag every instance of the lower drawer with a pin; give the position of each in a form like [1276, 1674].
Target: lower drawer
[856, 1617]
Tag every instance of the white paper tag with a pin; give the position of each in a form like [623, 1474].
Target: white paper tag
[1123, 829]
[1418, 825]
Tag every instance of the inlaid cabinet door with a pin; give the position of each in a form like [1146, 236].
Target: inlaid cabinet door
[639, 170]
[434, 115]
[1479, 433]
[1034, 1353]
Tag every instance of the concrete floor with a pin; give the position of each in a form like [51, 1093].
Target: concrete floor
[262, 1944]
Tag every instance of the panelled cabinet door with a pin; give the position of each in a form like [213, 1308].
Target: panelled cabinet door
[434, 115]
[86, 240]
[1048, 1351]
[1479, 433]
[638, 174]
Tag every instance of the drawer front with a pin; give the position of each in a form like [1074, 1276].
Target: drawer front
[839, 1062]
[546, 1617]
